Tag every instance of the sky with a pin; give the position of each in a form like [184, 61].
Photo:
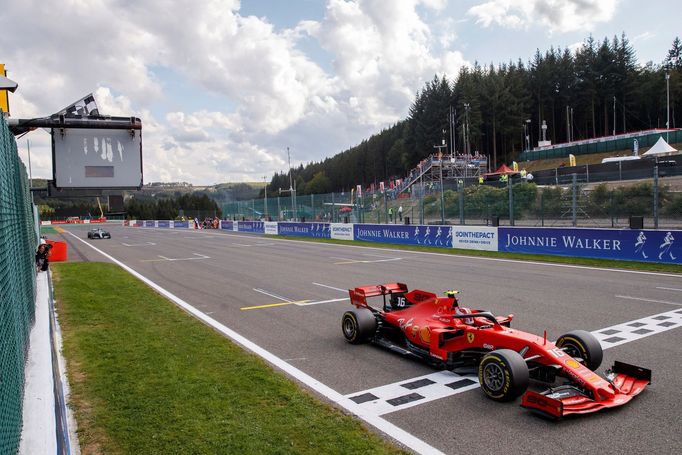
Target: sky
[224, 87]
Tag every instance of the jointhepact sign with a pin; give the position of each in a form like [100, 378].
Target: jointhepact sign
[342, 231]
[475, 238]
[271, 228]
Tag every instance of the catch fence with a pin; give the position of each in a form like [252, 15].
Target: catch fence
[572, 200]
[18, 242]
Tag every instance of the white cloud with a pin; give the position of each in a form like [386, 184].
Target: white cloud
[278, 95]
[381, 55]
[555, 15]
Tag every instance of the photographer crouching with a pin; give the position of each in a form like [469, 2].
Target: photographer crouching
[42, 261]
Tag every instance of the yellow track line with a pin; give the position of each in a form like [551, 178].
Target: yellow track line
[273, 305]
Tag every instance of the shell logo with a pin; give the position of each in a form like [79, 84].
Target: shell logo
[572, 363]
[425, 334]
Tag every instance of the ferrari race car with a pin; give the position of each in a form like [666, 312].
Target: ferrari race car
[436, 329]
[98, 233]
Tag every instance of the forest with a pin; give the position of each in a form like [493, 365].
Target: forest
[574, 92]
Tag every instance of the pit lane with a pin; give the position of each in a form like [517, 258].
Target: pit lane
[231, 269]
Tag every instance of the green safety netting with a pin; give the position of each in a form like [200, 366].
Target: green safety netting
[17, 286]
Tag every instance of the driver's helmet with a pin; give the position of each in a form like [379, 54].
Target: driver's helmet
[453, 294]
[461, 310]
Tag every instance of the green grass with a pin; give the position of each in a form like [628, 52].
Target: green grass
[47, 230]
[606, 263]
[146, 378]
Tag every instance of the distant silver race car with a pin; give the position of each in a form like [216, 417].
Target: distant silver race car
[98, 233]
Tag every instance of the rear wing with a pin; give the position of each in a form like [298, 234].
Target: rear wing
[358, 296]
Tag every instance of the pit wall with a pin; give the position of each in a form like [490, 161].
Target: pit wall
[662, 246]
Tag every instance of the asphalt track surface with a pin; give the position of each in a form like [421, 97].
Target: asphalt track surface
[288, 297]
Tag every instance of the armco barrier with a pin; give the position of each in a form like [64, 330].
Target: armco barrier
[664, 246]
[317, 230]
[404, 234]
[619, 244]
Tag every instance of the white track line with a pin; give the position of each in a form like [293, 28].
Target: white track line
[377, 422]
[642, 299]
[669, 289]
[322, 301]
[273, 295]
[330, 287]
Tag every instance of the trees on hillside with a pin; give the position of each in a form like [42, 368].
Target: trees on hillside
[574, 92]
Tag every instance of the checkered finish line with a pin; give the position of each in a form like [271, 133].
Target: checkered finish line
[423, 389]
[411, 392]
[640, 328]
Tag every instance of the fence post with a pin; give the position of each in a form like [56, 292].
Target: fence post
[620, 170]
[574, 201]
[442, 196]
[461, 203]
[656, 196]
[421, 203]
[511, 201]
[542, 209]
[279, 209]
[556, 176]
[385, 208]
[587, 171]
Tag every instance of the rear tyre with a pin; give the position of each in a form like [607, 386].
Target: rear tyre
[358, 325]
[503, 375]
[583, 345]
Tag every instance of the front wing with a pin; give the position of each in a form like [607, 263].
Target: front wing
[627, 380]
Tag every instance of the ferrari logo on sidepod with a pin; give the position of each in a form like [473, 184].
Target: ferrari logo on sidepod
[470, 337]
[572, 363]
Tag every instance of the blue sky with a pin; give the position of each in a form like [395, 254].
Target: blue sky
[223, 87]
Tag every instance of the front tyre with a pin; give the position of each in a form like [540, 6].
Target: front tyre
[358, 325]
[581, 344]
[503, 375]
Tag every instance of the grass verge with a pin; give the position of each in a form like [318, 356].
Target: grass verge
[148, 378]
[590, 262]
[44, 230]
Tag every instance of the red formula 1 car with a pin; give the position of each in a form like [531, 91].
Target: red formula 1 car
[436, 329]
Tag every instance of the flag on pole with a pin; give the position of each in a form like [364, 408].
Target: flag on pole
[83, 107]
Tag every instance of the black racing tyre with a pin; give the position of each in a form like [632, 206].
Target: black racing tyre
[503, 375]
[582, 344]
[358, 325]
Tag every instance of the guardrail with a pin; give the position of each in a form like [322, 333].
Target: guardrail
[661, 246]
